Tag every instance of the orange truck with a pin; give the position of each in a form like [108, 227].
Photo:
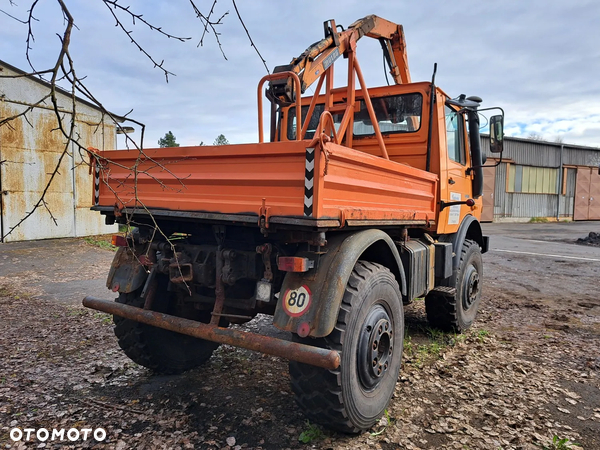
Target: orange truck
[360, 200]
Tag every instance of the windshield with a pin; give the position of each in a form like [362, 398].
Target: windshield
[395, 114]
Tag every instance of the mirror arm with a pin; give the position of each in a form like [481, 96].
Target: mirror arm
[490, 108]
[470, 169]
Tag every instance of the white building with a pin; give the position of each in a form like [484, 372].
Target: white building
[31, 148]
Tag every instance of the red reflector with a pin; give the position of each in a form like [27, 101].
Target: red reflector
[119, 241]
[470, 202]
[294, 264]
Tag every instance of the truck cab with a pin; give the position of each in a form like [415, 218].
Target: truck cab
[403, 114]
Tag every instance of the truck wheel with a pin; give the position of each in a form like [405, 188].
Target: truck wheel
[455, 309]
[369, 335]
[160, 350]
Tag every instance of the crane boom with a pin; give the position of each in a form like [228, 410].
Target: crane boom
[317, 58]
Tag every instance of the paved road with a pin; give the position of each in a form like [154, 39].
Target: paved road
[543, 259]
[544, 240]
[56, 269]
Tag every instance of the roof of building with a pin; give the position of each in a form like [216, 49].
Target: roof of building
[47, 84]
[555, 143]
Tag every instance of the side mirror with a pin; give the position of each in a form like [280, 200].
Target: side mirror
[496, 133]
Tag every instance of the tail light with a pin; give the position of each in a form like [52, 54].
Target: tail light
[294, 264]
[119, 241]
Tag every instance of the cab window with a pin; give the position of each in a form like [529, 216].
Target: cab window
[395, 114]
[455, 136]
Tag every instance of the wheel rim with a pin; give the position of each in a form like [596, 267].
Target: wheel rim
[375, 347]
[471, 288]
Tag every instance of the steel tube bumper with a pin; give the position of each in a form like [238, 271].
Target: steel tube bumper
[320, 357]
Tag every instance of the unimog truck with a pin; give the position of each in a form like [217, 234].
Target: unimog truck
[354, 202]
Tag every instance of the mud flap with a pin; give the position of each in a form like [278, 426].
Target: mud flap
[126, 273]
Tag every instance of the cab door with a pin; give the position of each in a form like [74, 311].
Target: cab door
[456, 181]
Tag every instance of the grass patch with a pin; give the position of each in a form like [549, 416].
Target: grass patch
[420, 353]
[103, 242]
[560, 444]
[76, 311]
[482, 334]
[538, 220]
[432, 348]
[8, 291]
[312, 433]
[106, 319]
[387, 422]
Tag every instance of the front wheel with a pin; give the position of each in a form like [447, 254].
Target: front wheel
[454, 307]
[369, 335]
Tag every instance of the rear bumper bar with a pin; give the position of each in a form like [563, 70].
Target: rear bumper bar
[320, 357]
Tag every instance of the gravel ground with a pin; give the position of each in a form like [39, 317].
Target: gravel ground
[528, 371]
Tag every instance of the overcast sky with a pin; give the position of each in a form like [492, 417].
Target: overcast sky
[539, 60]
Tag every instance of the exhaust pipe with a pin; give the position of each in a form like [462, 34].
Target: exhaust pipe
[315, 356]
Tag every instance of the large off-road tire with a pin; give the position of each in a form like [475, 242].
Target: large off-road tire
[160, 350]
[456, 309]
[369, 335]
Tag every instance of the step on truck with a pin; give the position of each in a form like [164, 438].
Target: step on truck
[353, 203]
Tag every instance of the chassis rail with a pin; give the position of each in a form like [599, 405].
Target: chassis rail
[327, 359]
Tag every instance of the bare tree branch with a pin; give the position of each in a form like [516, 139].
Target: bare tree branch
[206, 21]
[248, 34]
[30, 37]
[7, 120]
[13, 17]
[67, 116]
[134, 17]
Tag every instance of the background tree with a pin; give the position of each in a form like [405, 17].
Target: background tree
[168, 140]
[221, 140]
[535, 136]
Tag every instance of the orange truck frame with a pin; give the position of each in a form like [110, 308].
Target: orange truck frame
[362, 200]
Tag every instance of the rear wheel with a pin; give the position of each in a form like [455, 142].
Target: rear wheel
[369, 335]
[455, 308]
[158, 349]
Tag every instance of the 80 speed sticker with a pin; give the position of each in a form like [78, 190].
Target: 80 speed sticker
[297, 301]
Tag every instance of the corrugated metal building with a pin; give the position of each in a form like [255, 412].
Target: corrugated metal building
[541, 179]
[30, 150]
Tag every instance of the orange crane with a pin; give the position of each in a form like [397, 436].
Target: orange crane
[316, 63]
[362, 200]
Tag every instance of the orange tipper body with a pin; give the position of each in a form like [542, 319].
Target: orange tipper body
[353, 202]
[268, 179]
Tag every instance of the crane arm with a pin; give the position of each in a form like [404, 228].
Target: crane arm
[391, 37]
[317, 58]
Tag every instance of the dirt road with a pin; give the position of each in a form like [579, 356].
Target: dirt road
[528, 371]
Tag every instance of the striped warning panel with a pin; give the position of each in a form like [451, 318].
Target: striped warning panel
[97, 184]
[309, 176]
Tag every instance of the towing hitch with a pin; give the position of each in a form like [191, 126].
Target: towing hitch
[315, 356]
